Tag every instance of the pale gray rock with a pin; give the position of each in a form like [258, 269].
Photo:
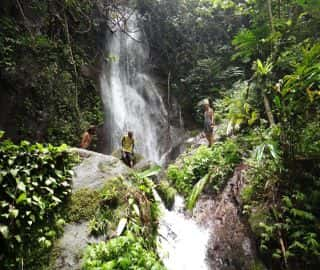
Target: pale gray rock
[96, 169]
[92, 173]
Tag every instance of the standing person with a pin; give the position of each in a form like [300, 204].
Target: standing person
[87, 137]
[127, 144]
[208, 121]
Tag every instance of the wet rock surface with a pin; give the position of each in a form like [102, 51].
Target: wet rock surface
[96, 169]
[231, 246]
[76, 237]
[92, 173]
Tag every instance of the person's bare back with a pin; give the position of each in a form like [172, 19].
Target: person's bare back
[87, 138]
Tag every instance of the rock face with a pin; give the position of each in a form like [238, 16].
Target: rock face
[231, 246]
[92, 173]
[96, 169]
[72, 244]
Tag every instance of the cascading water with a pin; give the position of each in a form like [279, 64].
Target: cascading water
[182, 242]
[131, 99]
[132, 102]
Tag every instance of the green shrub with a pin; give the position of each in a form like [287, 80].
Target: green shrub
[183, 176]
[132, 200]
[167, 194]
[122, 253]
[129, 202]
[283, 208]
[216, 162]
[35, 184]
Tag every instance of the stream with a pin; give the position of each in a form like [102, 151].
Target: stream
[133, 102]
[182, 242]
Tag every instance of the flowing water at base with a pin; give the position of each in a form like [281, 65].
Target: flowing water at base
[182, 242]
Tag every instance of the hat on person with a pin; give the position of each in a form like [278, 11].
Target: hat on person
[206, 102]
[203, 102]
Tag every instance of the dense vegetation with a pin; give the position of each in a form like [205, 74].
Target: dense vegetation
[129, 206]
[35, 184]
[258, 61]
[48, 68]
[212, 166]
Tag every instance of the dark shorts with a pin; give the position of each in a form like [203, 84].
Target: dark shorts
[127, 156]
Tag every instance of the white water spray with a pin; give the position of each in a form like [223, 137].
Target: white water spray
[182, 242]
[132, 102]
[131, 99]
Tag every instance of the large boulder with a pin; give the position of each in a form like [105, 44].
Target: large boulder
[95, 169]
[92, 173]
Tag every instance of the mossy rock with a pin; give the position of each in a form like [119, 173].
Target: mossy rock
[258, 215]
[167, 193]
[257, 265]
[83, 205]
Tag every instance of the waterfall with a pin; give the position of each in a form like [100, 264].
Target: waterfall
[131, 99]
[182, 242]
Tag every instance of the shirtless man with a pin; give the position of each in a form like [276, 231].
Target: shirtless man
[87, 137]
[208, 121]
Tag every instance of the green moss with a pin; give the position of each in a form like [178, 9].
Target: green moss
[49, 261]
[257, 265]
[257, 216]
[83, 205]
[167, 194]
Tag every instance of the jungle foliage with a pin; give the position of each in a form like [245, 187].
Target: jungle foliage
[203, 167]
[259, 61]
[127, 215]
[35, 185]
[47, 59]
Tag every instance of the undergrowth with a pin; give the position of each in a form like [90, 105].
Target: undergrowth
[217, 163]
[35, 185]
[127, 215]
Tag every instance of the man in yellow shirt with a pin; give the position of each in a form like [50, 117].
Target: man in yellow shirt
[127, 150]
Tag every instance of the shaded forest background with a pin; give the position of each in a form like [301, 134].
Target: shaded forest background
[258, 61]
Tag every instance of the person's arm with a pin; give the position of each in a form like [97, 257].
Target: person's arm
[133, 147]
[212, 117]
[85, 140]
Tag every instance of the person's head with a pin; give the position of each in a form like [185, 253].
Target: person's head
[92, 130]
[206, 104]
[130, 134]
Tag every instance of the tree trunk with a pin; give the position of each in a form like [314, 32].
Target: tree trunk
[270, 15]
[169, 105]
[268, 109]
[73, 64]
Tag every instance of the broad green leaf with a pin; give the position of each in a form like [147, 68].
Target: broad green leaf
[197, 190]
[21, 186]
[136, 209]
[22, 197]
[150, 172]
[4, 230]
[13, 213]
